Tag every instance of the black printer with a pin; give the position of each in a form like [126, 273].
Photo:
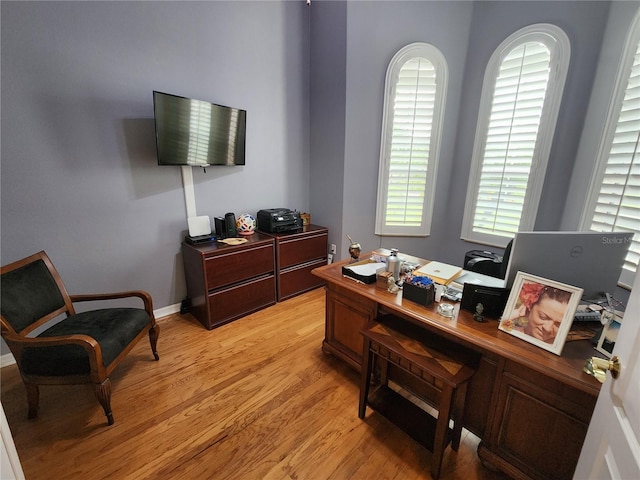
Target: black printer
[276, 220]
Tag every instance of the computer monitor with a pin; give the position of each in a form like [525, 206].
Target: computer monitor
[589, 260]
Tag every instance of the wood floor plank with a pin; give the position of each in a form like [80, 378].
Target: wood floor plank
[253, 399]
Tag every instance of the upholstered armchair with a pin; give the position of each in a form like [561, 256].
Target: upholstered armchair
[52, 344]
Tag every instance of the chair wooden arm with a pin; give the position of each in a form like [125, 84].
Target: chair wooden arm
[146, 297]
[90, 345]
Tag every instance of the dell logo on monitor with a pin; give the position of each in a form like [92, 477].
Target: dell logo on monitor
[576, 251]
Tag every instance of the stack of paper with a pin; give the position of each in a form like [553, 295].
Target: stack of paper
[441, 273]
[364, 271]
[366, 268]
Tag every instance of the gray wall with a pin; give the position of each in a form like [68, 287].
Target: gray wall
[79, 173]
[328, 103]
[375, 32]
[584, 24]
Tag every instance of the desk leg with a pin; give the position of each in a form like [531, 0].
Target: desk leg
[458, 412]
[365, 377]
[444, 413]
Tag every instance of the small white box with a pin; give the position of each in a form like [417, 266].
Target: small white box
[199, 226]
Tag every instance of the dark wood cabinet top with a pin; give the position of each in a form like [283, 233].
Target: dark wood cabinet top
[303, 232]
[216, 248]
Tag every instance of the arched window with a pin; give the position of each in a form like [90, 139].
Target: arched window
[519, 106]
[414, 99]
[613, 204]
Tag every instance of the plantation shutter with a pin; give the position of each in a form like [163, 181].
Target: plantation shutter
[618, 204]
[512, 135]
[413, 110]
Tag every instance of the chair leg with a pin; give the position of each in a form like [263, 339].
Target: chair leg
[154, 333]
[103, 394]
[33, 399]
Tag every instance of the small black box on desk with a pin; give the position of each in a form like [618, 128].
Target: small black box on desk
[419, 294]
[493, 299]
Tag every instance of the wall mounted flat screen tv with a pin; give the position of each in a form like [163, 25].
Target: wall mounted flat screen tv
[198, 133]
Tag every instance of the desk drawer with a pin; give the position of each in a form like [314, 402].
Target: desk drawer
[554, 416]
[236, 266]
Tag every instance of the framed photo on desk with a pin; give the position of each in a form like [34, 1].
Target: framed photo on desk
[540, 311]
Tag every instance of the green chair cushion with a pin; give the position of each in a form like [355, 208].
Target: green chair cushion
[29, 293]
[112, 328]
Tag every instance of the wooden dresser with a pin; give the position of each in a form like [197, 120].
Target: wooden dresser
[297, 253]
[226, 282]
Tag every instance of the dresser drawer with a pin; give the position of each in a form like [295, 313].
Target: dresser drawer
[302, 249]
[233, 267]
[298, 279]
[228, 304]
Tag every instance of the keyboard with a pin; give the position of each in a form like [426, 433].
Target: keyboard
[586, 316]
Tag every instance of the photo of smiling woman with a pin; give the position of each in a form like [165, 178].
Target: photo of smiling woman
[540, 311]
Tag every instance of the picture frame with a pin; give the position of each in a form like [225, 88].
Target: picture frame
[608, 337]
[540, 311]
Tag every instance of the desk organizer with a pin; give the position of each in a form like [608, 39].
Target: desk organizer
[421, 295]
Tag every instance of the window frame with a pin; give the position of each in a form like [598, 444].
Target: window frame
[437, 59]
[559, 47]
[608, 133]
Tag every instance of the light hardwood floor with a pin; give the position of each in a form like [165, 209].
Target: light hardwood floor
[254, 399]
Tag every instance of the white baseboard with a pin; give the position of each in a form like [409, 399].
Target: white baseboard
[7, 359]
[168, 310]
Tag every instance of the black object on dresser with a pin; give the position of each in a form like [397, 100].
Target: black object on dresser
[277, 220]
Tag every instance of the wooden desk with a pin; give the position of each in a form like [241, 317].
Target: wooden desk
[531, 408]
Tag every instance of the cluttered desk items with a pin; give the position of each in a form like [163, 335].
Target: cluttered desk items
[439, 272]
